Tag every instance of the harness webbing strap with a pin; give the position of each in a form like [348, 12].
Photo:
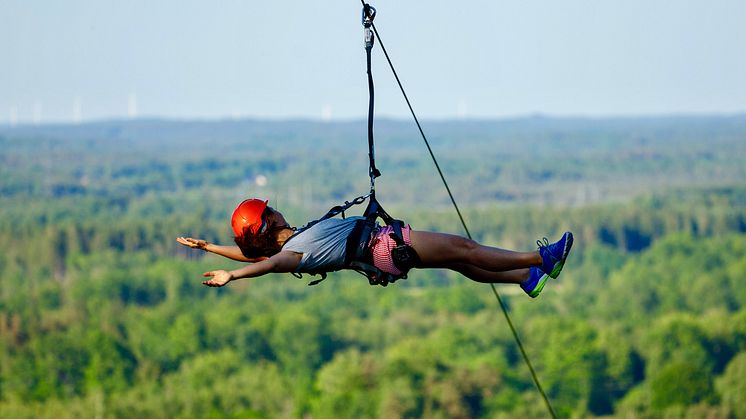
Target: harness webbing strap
[356, 247]
[357, 250]
[333, 212]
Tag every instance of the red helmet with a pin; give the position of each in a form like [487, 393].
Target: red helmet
[248, 214]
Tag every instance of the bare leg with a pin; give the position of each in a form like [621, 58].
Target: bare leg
[438, 250]
[515, 276]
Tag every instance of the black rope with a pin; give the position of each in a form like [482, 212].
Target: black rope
[366, 7]
[369, 14]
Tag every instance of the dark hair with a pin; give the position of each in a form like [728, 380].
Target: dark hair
[265, 244]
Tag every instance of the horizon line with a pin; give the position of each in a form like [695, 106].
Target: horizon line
[457, 119]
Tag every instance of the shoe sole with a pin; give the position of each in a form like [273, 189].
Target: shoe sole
[566, 251]
[539, 286]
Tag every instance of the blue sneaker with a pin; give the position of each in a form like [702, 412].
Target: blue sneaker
[554, 255]
[535, 282]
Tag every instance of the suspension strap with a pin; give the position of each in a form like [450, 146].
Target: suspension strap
[369, 13]
[333, 212]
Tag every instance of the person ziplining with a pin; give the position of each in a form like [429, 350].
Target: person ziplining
[265, 240]
[384, 254]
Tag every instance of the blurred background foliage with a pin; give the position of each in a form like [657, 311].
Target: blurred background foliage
[102, 313]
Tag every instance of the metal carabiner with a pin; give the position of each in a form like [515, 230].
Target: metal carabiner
[360, 199]
[369, 13]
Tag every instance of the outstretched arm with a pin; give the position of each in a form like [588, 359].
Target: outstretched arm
[230, 252]
[281, 262]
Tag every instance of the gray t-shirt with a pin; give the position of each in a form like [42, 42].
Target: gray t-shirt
[323, 245]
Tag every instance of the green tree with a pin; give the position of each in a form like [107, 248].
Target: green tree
[681, 383]
[348, 386]
[570, 364]
[111, 365]
[676, 338]
[732, 385]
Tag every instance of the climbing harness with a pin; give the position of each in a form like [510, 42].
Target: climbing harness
[358, 255]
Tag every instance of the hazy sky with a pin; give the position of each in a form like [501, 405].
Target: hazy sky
[83, 59]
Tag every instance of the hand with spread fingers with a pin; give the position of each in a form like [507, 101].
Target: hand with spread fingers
[219, 278]
[193, 243]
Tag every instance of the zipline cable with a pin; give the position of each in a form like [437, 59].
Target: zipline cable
[368, 15]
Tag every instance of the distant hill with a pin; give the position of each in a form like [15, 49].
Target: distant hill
[390, 133]
[533, 159]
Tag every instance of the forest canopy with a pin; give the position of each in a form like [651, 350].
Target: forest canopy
[102, 313]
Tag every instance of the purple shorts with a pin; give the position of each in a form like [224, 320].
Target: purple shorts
[381, 245]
